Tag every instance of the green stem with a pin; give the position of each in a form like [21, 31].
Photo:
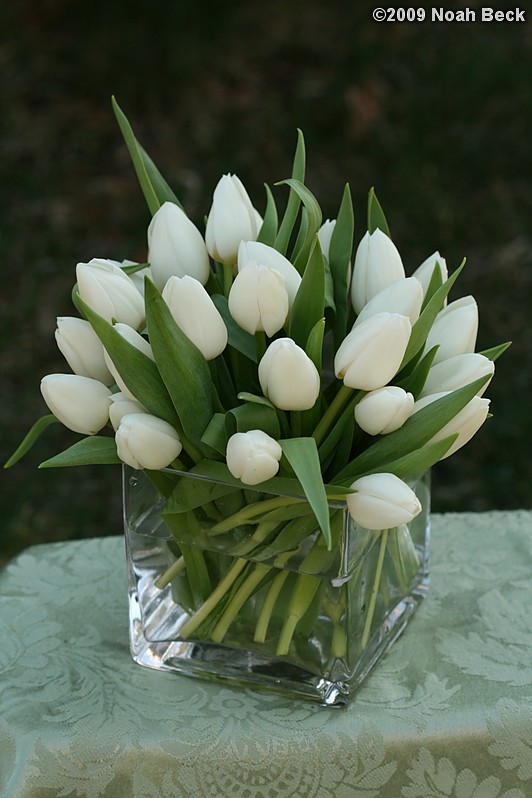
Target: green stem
[218, 593]
[304, 591]
[330, 414]
[260, 534]
[296, 423]
[228, 278]
[235, 605]
[261, 629]
[247, 513]
[375, 589]
[260, 341]
[171, 573]
[339, 642]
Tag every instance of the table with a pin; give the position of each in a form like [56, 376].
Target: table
[447, 713]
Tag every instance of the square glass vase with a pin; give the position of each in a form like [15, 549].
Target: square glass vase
[237, 585]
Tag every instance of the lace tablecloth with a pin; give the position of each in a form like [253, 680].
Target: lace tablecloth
[447, 713]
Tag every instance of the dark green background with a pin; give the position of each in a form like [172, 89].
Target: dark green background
[437, 117]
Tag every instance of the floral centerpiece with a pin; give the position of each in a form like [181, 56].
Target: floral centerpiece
[277, 406]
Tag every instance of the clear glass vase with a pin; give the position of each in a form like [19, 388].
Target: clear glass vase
[237, 585]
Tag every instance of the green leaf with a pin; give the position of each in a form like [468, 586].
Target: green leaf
[183, 368]
[139, 372]
[340, 254]
[376, 217]
[309, 303]
[436, 281]
[496, 351]
[154, 187]
[421, 328]
[314, 345]
[133, 268]
[252, 416]
[415, 381]
[244, 396]
[310, 222]
[415, 433]
[302, 454]
[280, 486]
[215, 435]
[95, 450]
[268, 231]
[292, 207]
[191, 493]
[238, 338]
[419, 461]
[29, 439]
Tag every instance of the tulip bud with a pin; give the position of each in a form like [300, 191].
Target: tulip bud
[377, 264]
[382, 501]
[457, 371]
[135, 339]
[258, 300]
[403, 296]
[122, 405]
[371, 354]
[288, 377]
[82, 349]
[196, 314]
[324, 236]
[384, 410]
[145, 441]
[425, 271]
[466, 422]
[454, 330]
[137, 278]
[253, 456]
[80, 403]
[107, 289]
[232, 219]
[176, 246]
[256, 252]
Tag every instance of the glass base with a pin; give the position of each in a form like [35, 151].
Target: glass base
[311, 626]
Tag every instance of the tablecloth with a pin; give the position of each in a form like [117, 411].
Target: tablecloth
[447, 713]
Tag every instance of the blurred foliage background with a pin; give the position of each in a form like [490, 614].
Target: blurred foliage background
[436, 116]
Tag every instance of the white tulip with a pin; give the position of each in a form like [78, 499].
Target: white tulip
[82, 349]
[258, 300]
[256, 252]
[288, 377]
[232, 219]
[377, 264]
[455, 329]
[137, 278]
[145, 441]
[108, 290]
[196, 315]
[425, 271]
[80, 403]
[371, 354]
[382, 501]
[135, 339]
[176, 246]
[123, 405]
[253, 456]
[403, 296]
[466, 422]
[457, 371]
[324, 236]
[384, 410]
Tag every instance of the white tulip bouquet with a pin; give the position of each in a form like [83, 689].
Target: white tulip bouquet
[262, 358]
